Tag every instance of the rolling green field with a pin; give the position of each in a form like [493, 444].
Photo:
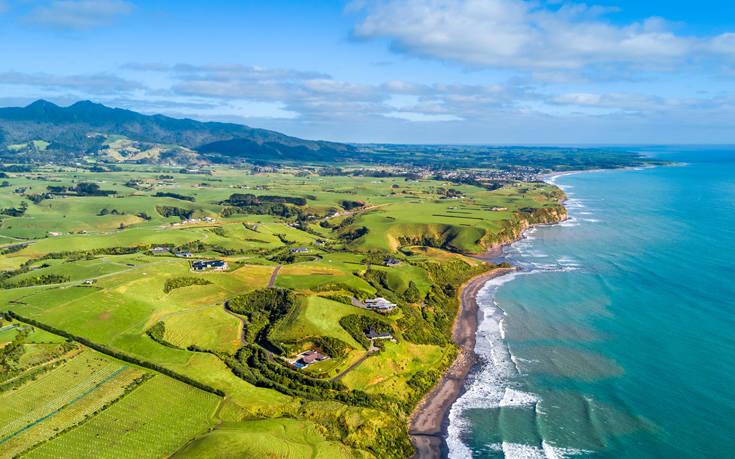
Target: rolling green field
[150, 350]
[287, 438]
[151, 421]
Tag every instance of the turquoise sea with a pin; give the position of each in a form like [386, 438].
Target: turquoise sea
[618, 337]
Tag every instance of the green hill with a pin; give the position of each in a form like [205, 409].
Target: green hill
[83, 128]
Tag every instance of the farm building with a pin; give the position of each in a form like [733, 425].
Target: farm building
[299, 250]
[159, 250]
[184, 254]
[215, 265]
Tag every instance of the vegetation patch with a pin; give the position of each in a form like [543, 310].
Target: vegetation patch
[180, 282]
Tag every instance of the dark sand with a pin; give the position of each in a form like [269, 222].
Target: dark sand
[427, 424]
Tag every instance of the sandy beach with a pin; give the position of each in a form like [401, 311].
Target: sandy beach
[427, 424]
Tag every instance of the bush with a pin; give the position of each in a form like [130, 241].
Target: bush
[171, 211]
[357, 325]
[179, 282]
[412, 293]
[339, 298]
[262, 308]
[162, 194]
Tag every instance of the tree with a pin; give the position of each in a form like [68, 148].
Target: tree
[412, 293]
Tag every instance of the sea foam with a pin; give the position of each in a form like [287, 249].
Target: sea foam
[492, 385]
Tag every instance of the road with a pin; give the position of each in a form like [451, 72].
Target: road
[272, 356]
[370, 351]
[272, 281]
[241, 319]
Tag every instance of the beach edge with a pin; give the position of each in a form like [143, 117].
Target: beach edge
[427, 424]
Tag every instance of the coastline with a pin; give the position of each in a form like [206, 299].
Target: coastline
[427, 424]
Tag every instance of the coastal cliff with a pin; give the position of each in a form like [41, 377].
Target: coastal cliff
[512, 229]
[427, 422]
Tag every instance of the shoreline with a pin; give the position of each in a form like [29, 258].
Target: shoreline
[427, 423]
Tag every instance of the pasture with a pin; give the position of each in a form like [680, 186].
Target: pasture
[150, 422]
[88, 270]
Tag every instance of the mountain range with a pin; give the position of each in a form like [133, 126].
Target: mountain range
[43, 131]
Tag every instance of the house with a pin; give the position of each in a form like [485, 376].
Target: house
[372, 334]
[184, 254]
[499, 209]
[391, 262]
[299, 250]
[380, 305]
[159, 250]
[214, 265]
[307, 358]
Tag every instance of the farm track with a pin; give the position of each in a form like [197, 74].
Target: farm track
[370, 352]
[241, 319]
[272, 280]
[271, 356]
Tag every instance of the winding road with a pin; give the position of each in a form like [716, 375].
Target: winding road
[241, 319]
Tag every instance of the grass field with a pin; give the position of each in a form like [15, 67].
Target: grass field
[151, 422]
[222, 332]
[318, 317]
[388, 371]
[52, 390]
[115, 294]
[94, 399]
[281, 438]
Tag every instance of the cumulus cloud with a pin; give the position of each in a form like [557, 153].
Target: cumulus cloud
[299, 101]
[313, 95]
[79, 14]
[649, 106]
[528, 36]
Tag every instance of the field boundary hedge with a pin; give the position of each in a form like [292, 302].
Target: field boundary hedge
[119, 354]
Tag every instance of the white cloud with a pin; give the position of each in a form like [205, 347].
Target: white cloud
[325, 97]
[314, 105]
[524, 35]
[79, 14]
[94, 84]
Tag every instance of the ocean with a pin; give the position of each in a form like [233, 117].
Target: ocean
[617, 338]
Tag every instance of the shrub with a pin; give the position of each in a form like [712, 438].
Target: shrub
[357, 325]
[179, 282]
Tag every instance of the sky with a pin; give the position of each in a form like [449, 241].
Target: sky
[499, 72]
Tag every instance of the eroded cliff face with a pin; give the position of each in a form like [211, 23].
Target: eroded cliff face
[514, 227]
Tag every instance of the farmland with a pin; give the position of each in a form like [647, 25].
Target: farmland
[149, 422]
[114, 346]
[88, 405]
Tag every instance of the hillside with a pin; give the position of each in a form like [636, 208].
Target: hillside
[84, 128]
[43, 132]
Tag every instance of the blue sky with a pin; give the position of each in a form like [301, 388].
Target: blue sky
[402, 71]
